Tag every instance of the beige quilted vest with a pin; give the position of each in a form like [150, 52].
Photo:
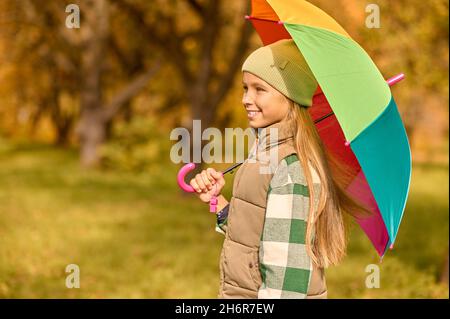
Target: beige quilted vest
[239, 261]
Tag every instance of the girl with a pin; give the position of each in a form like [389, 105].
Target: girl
[283, 226]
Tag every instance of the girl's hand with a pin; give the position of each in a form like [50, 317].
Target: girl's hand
[208, 183]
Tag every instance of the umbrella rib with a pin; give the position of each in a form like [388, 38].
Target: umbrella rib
[323, 117]
[247, 17]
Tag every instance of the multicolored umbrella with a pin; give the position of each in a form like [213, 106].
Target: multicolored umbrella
[355, 113]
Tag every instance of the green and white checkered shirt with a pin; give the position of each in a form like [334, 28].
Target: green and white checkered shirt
[284, 263]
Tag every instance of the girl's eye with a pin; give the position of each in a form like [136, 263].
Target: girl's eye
[257, 89]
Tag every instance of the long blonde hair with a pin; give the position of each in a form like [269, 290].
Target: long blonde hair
[326, 236]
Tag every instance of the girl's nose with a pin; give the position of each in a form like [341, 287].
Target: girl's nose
[247, 100]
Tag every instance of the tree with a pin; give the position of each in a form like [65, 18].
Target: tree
[42, 63]
[95, 115]
[204, 79]
[46, 56]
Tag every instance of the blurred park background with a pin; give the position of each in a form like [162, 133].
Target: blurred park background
[85, 119]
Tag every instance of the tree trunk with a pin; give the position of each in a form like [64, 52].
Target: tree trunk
[63, 123]
[91, 129]
[63, 128]
[93, 134]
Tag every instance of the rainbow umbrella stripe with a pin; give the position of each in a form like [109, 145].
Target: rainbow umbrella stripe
[363, 107]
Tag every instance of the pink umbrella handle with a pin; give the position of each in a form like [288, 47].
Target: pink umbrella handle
[189, 189]
[180, 178]
[189, 167]
[395, 79]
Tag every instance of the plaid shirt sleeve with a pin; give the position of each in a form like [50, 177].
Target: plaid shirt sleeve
[284, 263]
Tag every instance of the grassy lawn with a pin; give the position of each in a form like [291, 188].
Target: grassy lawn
[139, 236]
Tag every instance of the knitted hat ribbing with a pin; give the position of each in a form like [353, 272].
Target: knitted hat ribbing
[281, 65]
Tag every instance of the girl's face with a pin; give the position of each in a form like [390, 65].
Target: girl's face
[264, 104]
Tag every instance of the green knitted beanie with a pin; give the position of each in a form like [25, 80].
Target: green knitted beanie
[282, 66]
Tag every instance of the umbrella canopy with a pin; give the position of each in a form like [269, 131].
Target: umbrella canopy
[354, 110]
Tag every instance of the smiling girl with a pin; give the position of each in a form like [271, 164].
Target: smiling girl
[284, 227]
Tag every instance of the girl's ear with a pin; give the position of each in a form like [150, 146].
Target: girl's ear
[291, 109]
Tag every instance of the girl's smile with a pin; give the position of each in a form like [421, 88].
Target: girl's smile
[252, 114]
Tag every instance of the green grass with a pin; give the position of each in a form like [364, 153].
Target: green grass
[139, 236]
